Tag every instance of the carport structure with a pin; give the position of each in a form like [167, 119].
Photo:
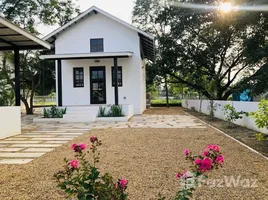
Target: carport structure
[14, 38]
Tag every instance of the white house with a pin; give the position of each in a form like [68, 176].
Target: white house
[90, 50]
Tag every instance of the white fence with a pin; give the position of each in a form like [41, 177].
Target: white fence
[203, 106]
[10, 121]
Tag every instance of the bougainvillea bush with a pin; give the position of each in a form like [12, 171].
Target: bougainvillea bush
[210, 159]
[82, 178]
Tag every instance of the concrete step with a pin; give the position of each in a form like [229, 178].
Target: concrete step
[79, 118]
[81, 111]
[83, 108]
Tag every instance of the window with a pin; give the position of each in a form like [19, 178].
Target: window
[119, 75]
[79, 77]
[96, 45]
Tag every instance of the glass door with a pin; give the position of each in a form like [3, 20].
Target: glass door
[97, 85]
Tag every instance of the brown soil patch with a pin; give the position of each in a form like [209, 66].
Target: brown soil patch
[238, 132]
[164, 111]
[148, 158]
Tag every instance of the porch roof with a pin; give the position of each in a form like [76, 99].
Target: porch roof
[92, 55]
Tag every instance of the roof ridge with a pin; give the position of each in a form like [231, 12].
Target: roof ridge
[91, 9]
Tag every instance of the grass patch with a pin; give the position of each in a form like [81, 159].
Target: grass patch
[163, 102]
[40, 104]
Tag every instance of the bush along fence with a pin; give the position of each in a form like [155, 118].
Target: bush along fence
[251, 115]
[163, 102]
[82, 178]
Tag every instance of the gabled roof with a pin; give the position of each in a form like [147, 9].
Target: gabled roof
[147, 40]
[13, 37]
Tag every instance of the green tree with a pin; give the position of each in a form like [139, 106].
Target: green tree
[212, 52]
[28, 14]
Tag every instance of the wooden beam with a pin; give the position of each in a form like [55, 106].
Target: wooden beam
[21, 41]
[8, 42]
[30, 47]
[10, 35]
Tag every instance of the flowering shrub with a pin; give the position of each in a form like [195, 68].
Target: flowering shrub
[211, 158]
[82, 179]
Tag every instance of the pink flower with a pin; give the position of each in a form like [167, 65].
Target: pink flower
[216, 148]
[197, 161]
[74, 164]
[219, 159]
[83, 146]
[73, 146]
[213, 147]
[93, 139]
[186, 152]
[205, 153]
[206, 164]
[178, 175]
[122, 183]
[185, 175]
[209, 146]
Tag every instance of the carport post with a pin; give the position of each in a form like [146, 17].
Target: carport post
[17, 76]
[116, 81]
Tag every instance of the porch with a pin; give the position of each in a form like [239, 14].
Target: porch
[86, 114]
[93, 77]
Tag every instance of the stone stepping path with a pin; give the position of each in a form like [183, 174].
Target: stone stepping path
[24, 148]
[139, 121]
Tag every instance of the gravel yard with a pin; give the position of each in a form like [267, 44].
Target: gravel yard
[148, 158]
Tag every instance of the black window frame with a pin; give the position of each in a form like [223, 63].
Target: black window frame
[120, 83]
[78, 83]
[98, 47]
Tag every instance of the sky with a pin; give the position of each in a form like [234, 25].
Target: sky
[119, 8]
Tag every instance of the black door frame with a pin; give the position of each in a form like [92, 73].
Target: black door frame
[91, 68]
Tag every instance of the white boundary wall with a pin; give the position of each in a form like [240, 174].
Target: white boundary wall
[10, 121]
[203, 106]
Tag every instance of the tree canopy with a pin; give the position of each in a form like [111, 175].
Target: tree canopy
[28, 14]
[216, 53]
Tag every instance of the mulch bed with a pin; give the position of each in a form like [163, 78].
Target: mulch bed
[148, 158]
[238, 132]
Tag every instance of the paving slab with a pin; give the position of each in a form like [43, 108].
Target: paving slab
[57, 133]
[10, 149]
[36, 145]
[19, 142]
[55, 142]
[32, 135]
[20, 155]
[38, 150]
[15, 138]
[47, 131]
[15, 161]
[52, 139]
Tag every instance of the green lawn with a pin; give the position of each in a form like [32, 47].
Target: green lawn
[44, 103]
[163, 101]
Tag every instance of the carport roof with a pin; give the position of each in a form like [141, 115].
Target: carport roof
[13, 37]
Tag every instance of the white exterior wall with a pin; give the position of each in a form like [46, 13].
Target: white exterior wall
[10, 121]
[116, 38]
[203, 106]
